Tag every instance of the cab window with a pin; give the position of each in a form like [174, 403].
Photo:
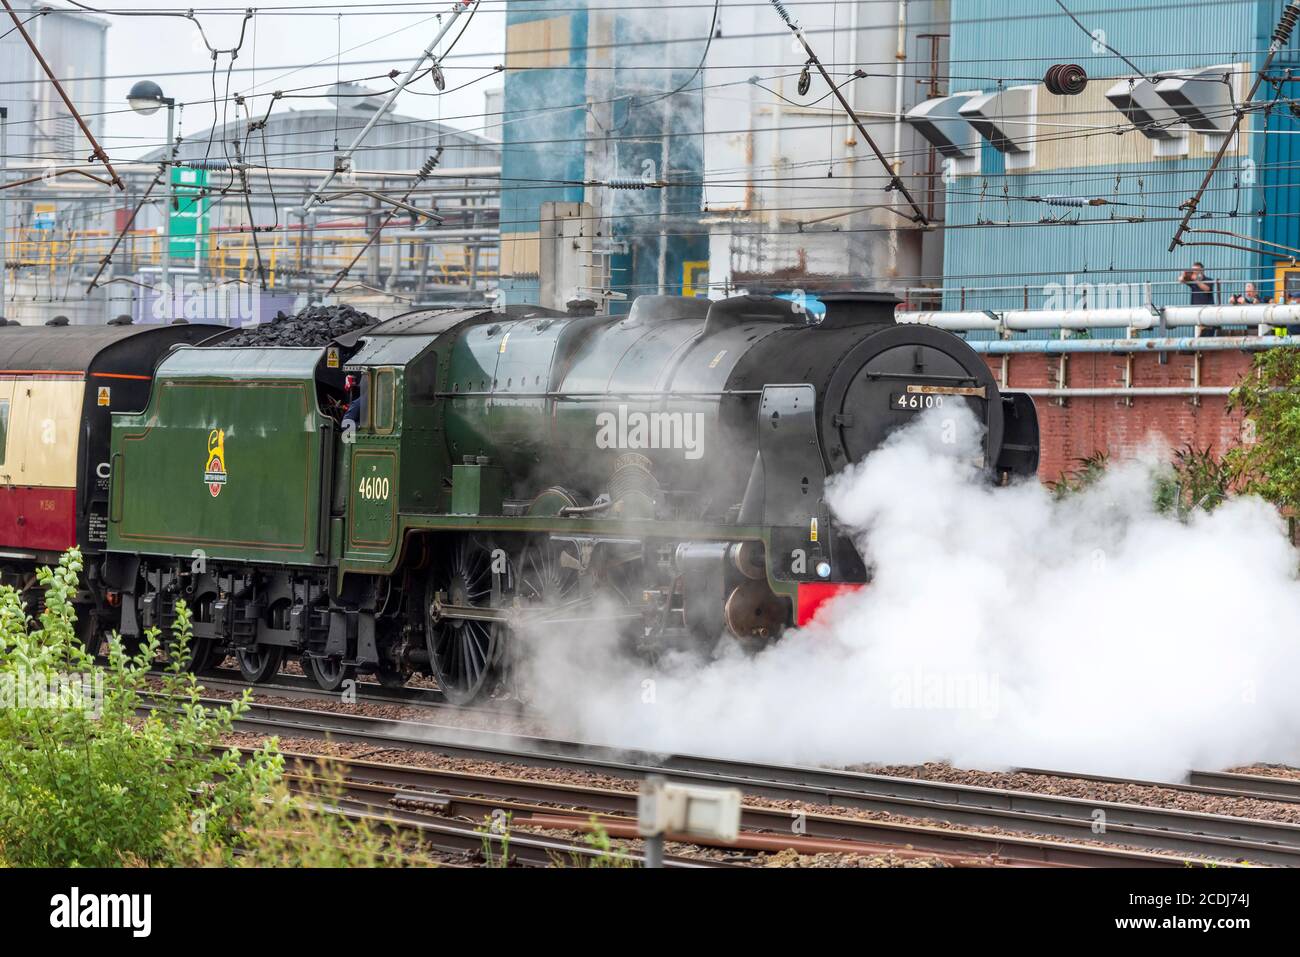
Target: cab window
[383, 395]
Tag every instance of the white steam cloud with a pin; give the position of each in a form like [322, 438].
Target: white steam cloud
[1003, 628]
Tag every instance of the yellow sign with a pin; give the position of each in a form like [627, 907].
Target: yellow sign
[215, 473]
[695, 278]
[332, 357]
[104, 395]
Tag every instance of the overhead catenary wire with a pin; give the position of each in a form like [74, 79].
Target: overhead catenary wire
[1281, 34]
[268, 158]
[457, 9]
[97, 150]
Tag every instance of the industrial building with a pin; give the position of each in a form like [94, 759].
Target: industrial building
[264, 238]
[74, 249]
[591, 128]
[38, 134]
[1114, 161]
[795, 194]
[767, 187]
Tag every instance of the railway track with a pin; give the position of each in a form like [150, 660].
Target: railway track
[1188, 833]
[1209, 783]
[301, 688]
[484, 843]
[1262, 786]
[551, 805]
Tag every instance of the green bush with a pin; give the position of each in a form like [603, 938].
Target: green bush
[88, 775]
[104, 766]
[1269, 397]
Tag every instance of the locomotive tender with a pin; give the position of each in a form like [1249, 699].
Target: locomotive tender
[512, 474]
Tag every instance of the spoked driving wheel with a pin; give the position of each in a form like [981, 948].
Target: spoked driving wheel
[464, 652]
[548, 576]
[551, 599]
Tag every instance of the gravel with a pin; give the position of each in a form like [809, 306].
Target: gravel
[1145, 795]
[313, 326]
[1270, 771]
[427, 759]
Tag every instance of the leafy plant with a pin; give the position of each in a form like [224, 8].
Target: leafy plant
[1269, 396]
[608, 853]
[299, 826]
[1087, 472]
[499, 826]
[90, 776]
[1195, 480]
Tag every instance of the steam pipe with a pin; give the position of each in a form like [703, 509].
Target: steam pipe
[1143, 317]
[1118, 392]
[1008, 347]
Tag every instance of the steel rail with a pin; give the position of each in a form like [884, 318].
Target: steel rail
[462, 793]
[1224, 784]
[529, 848]
[1264, 786]
[1183, 832]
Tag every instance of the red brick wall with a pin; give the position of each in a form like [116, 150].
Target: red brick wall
[1083, 426]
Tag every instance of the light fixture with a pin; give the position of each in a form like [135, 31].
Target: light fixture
[823, 569]
[146, 98]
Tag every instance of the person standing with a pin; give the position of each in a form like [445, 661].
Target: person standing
[1201, 285]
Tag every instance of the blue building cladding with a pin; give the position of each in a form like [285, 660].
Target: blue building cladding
[1123, 240]
[545, 147]
[543, 111]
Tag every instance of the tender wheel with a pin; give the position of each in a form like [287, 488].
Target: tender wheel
[88, 630]
[330, 673]
[202, 656]
[464, 654]
[260, 665]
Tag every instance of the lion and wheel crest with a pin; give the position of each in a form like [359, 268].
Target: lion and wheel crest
[215, 473]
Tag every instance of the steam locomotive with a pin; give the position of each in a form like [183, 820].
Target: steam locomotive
[503, 475]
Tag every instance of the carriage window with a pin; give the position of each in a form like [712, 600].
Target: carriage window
[4, 428]
[385, 399]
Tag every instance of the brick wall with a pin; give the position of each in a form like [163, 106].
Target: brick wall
[1083, 426]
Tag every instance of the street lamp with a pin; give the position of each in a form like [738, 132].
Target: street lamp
[146, 98]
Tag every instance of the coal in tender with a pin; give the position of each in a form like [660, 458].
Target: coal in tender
[313, 326]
